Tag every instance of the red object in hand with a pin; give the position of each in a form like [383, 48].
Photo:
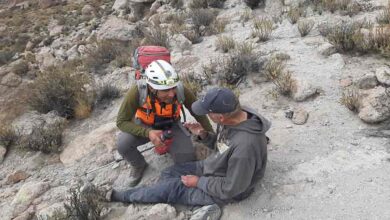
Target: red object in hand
[166, 138]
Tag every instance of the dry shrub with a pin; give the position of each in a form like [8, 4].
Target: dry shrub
[215, 3]
[193, 35]
[276, 72]
[84, 202]
[20, 68]
[294, 14]
[238, 64]
[60, 89]
[157, 36]
[106, 52]
[196, 4]
[8, 135]
[107, 93]
[44, 139]
[246, 15]
[342, 36]
[350, 98]
[191, 81]
[225, 44]
[218, 26]
[384, 16]
[379, 39]
[202, 17]
[305, 26]
[253, 3]
[262, 28]
[178, 4]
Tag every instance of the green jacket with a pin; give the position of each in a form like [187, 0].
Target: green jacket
[125, 119]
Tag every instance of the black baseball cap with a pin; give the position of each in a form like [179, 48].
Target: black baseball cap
[216, 100]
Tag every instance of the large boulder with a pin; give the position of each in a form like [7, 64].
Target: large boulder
[368, 81]
[51, 212]
[81, 146]
[11, 80]
[375, 105]
[383, 75]
[117, 29]
[26, 196]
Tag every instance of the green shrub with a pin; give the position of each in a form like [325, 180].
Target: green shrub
[60, 89]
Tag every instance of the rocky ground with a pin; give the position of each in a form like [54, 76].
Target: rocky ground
[324, 161]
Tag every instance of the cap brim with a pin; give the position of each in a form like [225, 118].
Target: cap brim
[198, 109]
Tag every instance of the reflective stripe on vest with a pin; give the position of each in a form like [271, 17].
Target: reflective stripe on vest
[167, 112]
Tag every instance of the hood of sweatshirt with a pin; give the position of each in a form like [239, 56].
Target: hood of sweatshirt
[256, 124]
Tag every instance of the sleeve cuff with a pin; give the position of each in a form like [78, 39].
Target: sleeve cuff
[146, 132]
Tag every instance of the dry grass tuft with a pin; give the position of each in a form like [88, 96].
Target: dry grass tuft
[276, 72]
[8, 136]
[262, 28]
[294, 14]
[225, 44]
[305, 26]
[350, 98]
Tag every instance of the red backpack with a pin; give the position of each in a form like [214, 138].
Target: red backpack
[144, 55]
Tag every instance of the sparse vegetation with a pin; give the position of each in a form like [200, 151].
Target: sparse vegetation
[60, 89]
[107, 93]
[305, 26]
[44, 139]
[196, 4]
[156, 36]
[106, 52]
[8, 136]
[20, 67]
[384, 16]
[84, 203]
[202, 17]
[225, 44]
[218, 26]
[253, 3]
[276, 72]
[246, 15]
[342, 36]
[350, 98]
[294, 14]
[262, 28]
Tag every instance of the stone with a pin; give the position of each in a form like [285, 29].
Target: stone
[180, 43]
[48, 3]
[300, 116]
[17, 176]
[73, 53]
[3, 151]
[120, 5]
[327, 49]
[82, 145]
[88, 10]
[4, 70]
[26, 195]
[56, 30]
[11, 80]
[161, 212]
[375, 105]
[345, 82]
[367, 81]
[45, 58]
[383, 75]
[120, 78]
[117, 29]
[57, 209]
[302, 90]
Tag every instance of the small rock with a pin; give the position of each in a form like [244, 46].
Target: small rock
[300, 116]
[17, 176]
[11, 80]
[88, 10]
[383, 75]
[345, 82]
[289, 114]
[327, 49]
[368, 81]
[302, 90]
[161, 212]
[289, 126]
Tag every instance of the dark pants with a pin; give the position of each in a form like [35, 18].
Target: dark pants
[169, 189]
[182, 149]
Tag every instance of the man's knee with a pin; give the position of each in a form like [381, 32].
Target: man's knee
[125, 143]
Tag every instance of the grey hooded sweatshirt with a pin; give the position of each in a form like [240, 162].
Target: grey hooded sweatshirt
[239, 162]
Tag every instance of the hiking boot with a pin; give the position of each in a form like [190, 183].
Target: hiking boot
[208, 212]
[136, 174]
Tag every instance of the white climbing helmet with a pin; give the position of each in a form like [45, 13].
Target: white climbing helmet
[160, 75]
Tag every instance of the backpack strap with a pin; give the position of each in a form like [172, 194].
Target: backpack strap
[180, 92]
[143, 91]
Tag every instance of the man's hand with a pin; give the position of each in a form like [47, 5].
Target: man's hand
[190, 180]
[154, 137]
[196, 129]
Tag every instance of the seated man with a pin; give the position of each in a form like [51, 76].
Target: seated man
[228, 175]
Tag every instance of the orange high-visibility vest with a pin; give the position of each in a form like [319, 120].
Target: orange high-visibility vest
[147, 115]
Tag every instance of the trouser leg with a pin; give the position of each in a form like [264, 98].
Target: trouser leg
[182, 149]
[170, 191]
[178, 170]
[127, 147]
